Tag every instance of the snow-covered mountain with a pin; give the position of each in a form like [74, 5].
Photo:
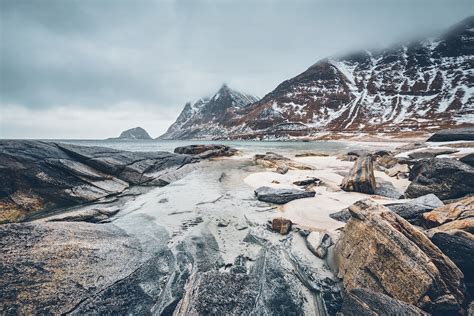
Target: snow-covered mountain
[207, 118]
[424, 85]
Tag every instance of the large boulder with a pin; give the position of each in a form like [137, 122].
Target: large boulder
[41, 176]
[453, 135]
[281, 196]
[458, 245]
[363, 302]
[361, 177]
[446, 178]
[381, 252]
[431, 153]
[206, 151]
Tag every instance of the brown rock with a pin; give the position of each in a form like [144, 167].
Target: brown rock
[361, 177]
[460, 210]
[281, 225]
[276, 161]
[380, 251]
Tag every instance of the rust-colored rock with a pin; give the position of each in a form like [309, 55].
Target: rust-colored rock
[281, 225]
[279, 162]
[463, 209]
[380, 251]
[361, 177]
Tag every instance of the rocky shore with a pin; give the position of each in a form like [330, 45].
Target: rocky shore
[95, 230]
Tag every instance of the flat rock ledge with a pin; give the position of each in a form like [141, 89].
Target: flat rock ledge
[281, 196]
[206, 151]
[37, 176]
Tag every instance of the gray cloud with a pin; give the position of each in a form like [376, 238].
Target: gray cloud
[157, 55]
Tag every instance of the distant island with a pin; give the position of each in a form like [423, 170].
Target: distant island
[136, 133]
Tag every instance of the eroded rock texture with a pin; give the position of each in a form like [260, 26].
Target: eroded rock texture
[40, 176]
[361, 177]
[381, 252]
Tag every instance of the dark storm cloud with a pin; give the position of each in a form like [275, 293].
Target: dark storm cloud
[159, 54]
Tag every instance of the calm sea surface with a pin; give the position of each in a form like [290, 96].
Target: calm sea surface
[247, 147]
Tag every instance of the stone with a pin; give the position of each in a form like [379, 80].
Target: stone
[381, 153]
[282, 169]
[37, 176]
[312, 154]
[387, 189]
[453, 135]
[445, 177]
[410, 146]
[398, 168]
[359, 153]
[361, 177]
[318, 244]
[307, 181]
[381, 252]
[363, 302]
[206, 151]
[468, 159]
[341, 216]
[462, 209]
[413, 210]
[281, 225]
[458, 245]
[431, 153]
[466, 224]
[281, 196]
[275, 161]
[387, 162]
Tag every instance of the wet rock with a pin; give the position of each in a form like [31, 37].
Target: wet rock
[307, 181]
[446, 178]
[460, 210]
[387, 189]
[431, 153]
[318, 244]
[458, 245]
[413, 210]
[381, 252]
[363, 302]
[275, 161]
[206, 151]
[38, 176]
[453, 135]
[468, 159]
[361, 177]
[281, 225]
[281, 196]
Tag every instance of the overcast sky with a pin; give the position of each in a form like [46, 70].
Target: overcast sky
[90, 69]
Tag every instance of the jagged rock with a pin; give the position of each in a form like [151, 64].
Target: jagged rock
[453, 135]
[381, 153]
[95, 215]
[281, 196]
[387, 189]
[273, 160]
[239, 265]
[206, 151]
[413, 210]
[466, 225]
[410, 146]
[363, 302]
[469, 159]
[381, 252]
[319, 243]
[446, 178]
[431, 153]
[387, 162]
[359, 153]
[470, 309]
[458, 245]
[361, 177]
[136, 133]
[281, 225]
[450, 212]
[396, 169]
[41, 176]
